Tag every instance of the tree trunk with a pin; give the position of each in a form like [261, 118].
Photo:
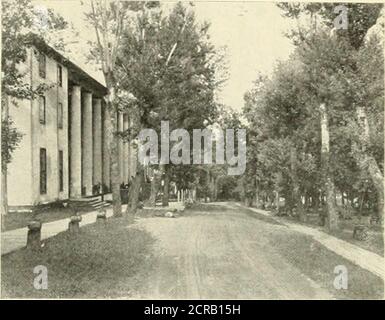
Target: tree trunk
[4, 195]
[332, 222]
[113, 146]
[114, 161]
[134, 191]
[307, 200]
[367, 162]
[256, 194]
[210, 185]
[316, 200]
[154, 190]
[277, 201]
[4, 198]
[166, 185]
[377, 180]
[215, 194]
[295, 183]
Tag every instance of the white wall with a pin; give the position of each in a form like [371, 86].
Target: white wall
[48, 135]
[19, 178]
[25, 167]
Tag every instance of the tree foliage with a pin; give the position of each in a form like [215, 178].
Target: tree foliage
[344, 70]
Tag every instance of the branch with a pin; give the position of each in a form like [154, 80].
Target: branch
[118, 33]
[105, 35]
[97, 33]
[176, 42]
[171, 53]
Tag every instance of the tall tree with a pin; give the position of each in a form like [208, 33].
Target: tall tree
[169, 66]
[315, 119]
[110, 19]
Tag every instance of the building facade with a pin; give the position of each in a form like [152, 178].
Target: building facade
[63, 153]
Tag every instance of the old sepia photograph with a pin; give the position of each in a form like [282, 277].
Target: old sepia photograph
[192, 150]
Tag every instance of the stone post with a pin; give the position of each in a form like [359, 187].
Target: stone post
[101, 216]
[73, 225]
[34, 235]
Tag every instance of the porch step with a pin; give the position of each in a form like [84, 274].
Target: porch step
[91, 203]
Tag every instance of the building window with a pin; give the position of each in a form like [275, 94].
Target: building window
[60, 115]
[43, 171]
[60, 75]
[61, 185]
[42, 65]
[42, 109]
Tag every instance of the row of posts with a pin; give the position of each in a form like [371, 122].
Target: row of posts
[184, 194]
[34, 228]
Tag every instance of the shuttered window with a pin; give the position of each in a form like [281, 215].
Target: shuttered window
[42, 65]
[61, 180]
[42, 109]
[43, 171]
[60, 115]
[59, 75]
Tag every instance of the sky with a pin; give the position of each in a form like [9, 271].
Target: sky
[252, 32]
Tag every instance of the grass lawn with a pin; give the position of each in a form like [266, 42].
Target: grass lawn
[101, 261]
[17, 220]
[374, 243]
[318, 263]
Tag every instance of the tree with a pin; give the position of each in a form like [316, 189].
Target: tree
[349, 94]
[368, 143]
[186, 87]
[169, 66]
[110, 19]
[315, 118]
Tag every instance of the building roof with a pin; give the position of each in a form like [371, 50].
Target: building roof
[76, 74]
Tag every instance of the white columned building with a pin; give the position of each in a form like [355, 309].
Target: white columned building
[64, 152]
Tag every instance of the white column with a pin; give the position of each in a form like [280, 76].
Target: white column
[125, 151]
[106, 149]
[75, 144]
[87, 157]
[97, 139]
[178, 195]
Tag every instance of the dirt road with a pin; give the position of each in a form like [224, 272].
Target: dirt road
[221, 254]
